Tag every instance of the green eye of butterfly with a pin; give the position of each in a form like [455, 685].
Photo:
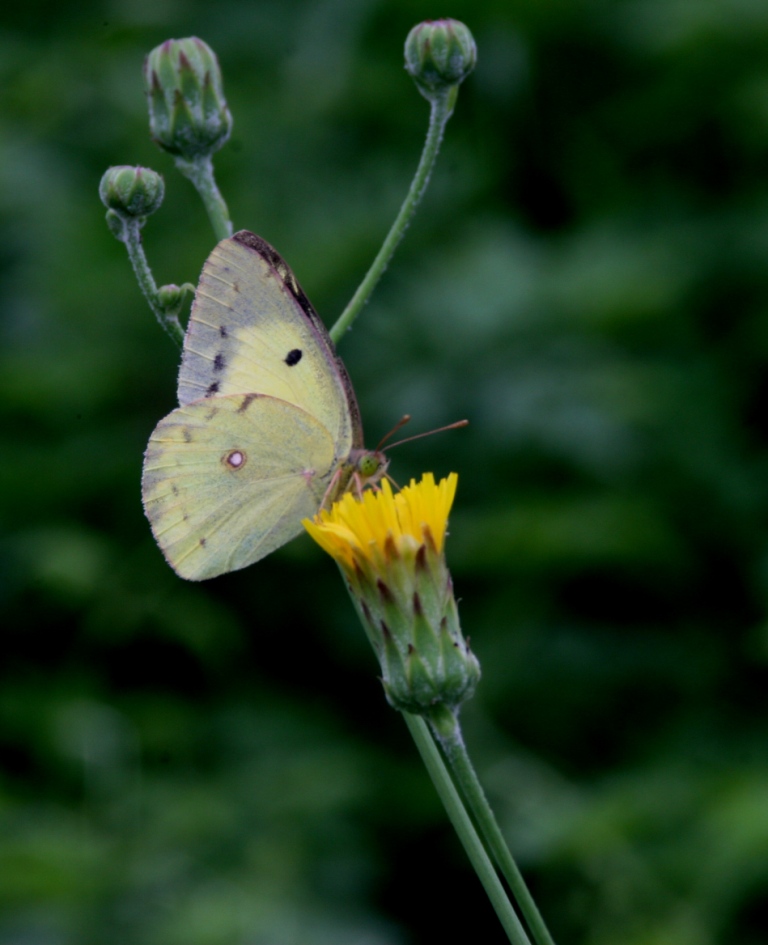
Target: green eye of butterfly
[369, 465]
[267, 428]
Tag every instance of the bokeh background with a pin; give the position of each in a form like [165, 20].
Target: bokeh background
[587, 282]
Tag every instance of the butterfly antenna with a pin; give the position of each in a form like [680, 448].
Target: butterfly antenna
[400, 423]
[418, 436]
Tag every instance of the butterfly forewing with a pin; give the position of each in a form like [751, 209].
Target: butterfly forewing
[252, 330]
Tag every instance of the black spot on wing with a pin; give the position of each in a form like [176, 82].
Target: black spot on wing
[219, 362]
[223, 331]
[202, 542]
[293, 357]
[212, 389]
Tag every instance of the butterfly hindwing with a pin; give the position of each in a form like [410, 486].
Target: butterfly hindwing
[228, 479]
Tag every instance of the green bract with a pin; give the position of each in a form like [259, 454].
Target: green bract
[425, 660]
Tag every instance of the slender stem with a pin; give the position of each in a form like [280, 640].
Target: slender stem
[465, 830]
[131, 236]
[447, 729]
[441, 107]
[200, 172]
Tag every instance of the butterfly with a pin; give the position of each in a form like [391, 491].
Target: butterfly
[268, 429]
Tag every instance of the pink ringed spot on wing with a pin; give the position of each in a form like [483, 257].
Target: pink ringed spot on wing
[234, 459]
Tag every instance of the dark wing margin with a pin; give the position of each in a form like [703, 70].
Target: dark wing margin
[281, 268]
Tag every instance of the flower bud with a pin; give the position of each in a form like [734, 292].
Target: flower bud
[188, 115]
[132, 191]
[171, 296]
[439, 55]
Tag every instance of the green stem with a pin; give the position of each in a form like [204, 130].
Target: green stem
[200, 172]
[131, 235]
[465, 830]
[441, 107]
[447, 730]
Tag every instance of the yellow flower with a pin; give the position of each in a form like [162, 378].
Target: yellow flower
[390, 549]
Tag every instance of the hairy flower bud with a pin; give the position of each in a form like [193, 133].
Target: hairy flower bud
[171, 296]
[439, 55]
[188, 115]
[131, 191]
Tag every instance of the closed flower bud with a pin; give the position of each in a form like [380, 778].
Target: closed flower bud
[439, 55]
[171, 296]
[131, 191]
[390, 550]
[188, 115]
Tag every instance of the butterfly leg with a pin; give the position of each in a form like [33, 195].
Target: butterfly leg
[391, 480]
[333, 490]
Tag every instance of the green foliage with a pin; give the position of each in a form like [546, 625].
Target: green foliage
[587, 281]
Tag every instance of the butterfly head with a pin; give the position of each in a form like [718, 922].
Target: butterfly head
[369, 466]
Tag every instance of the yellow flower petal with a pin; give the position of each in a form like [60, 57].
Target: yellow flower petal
[361, 525]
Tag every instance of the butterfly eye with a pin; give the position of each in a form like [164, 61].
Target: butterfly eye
[369, 465]
[235, 459]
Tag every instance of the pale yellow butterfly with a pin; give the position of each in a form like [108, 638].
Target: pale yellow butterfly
[268, 428]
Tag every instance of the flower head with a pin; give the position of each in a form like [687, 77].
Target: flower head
[389, 547]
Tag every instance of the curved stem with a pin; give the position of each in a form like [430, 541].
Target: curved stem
[200, 172]
[131, 236]
[448, 732]
[441, 107]
[465, 830]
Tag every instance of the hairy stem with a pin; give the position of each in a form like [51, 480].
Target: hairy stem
[200, 172]
[131, 236]
[441, 107]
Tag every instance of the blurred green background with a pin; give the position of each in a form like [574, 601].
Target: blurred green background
[587, 282]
